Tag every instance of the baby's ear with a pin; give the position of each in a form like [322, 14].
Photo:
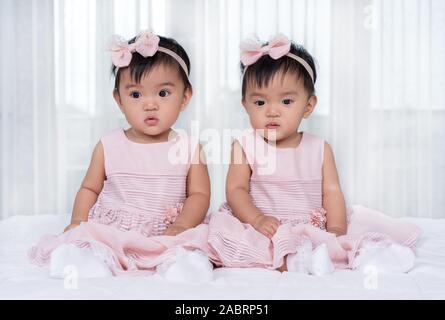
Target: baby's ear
[244, 103]
[188, 93]
[117, 98]
[310, 106]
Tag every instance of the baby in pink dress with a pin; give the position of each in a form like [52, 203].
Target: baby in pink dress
[285, 209]
[147, 189]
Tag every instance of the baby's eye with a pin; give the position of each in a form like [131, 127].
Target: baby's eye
[135, 94]
[259, 103]
[164, 93]
[288, 101]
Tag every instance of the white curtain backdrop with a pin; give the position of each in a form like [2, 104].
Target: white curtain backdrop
[381, 67]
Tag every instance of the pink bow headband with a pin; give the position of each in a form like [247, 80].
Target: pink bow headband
[146, 44]
[278, 47]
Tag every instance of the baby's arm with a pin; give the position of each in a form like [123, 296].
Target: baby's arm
[238, 197]
[91, 186]
[333, 199]
[198, 196]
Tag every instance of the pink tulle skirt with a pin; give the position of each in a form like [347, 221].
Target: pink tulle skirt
[124, 252]
[236, 244]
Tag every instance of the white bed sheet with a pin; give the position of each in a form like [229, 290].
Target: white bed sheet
[21, 280]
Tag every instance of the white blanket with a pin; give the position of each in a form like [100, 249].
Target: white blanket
[21, 280]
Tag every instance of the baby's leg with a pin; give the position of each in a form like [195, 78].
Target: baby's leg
[69, 259]
[300, 261]
[284, 265]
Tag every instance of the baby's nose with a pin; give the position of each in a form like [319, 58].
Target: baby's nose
[150, 105]
[272, 112]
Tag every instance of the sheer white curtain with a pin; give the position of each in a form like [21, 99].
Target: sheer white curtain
[28, 142]
[388, 105]
[381, 103]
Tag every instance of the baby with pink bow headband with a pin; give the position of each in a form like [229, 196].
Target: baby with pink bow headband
[140, 204]
[146, 44]
[285, 209]
[278, 47]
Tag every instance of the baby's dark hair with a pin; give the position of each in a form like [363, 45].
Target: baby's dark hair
[265, 68]
[140, 66]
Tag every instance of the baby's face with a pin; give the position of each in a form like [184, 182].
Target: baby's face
[278, 108]
[152, 106]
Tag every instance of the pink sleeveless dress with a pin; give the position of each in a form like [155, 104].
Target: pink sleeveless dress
[143, 193]
[287, 184]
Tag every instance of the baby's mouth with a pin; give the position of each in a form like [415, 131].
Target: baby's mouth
[272, 125]
[151, 120]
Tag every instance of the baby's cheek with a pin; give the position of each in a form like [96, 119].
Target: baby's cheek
[132, 118]
[257, 122]
[293, 121]
[171, 115]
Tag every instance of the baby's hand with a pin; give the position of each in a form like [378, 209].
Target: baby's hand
[266, 225]
[70, 226]
[174, 230]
